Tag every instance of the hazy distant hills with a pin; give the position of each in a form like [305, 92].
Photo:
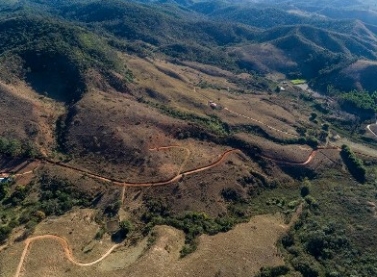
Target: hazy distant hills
[313, 41]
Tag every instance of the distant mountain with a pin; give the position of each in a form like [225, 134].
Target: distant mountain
[303, 37]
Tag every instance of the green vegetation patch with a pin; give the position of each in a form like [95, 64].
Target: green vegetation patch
[192, 223]
[55, 55]
[355, 166]
[335, 233]
[361, 103]
[21, 205]
[15, 148]
[298, 82]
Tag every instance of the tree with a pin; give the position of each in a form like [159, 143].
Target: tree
[325, 126]
[355, 166]
[125, 226]
[304, 191]
[4, 233]
[313, 117]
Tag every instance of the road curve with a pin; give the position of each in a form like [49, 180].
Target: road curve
[368, 127]
[147, 184]
[308, 160]
[67, 251]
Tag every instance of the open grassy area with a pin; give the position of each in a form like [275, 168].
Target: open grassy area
[298, 81]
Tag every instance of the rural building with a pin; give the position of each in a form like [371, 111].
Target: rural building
[212, 104]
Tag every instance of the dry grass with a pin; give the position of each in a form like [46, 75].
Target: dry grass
[112, 134]
[264, 58]
[26, 115]
[240, 252]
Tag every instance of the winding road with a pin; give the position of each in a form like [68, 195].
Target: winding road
[180, 174]
[63, 242]
[147, 184]
[66, 248]
[368, 127]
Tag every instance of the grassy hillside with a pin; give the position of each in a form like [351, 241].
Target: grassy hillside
[121, 116]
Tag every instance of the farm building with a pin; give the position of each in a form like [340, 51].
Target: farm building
[212, 104]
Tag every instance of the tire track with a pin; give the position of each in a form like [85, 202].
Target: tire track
[308, 160]
[262, 123]
[175, 146]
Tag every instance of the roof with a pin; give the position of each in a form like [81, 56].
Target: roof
[4, 179]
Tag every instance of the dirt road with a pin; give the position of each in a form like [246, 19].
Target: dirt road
[66, 248]
[368, 127]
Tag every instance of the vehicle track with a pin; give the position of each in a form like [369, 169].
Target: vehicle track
[67, 250]
[260, 122]
[175, 146]
[308, 160]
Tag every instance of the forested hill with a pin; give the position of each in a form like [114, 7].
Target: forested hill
[307, 43]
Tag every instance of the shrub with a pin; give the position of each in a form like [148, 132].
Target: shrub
[273, 271]
[4, 233]
[306, 268]
[230, 194]
[355, 166]
[125, 226]
[304, 191]
[311, 201]
[100, 233]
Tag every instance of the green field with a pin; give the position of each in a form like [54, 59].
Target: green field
[298, 81]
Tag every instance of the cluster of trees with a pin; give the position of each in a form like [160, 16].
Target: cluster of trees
[192, 223]
[355, 166]
[254, 129]
[361, 103]
[312, 247]
[125, 228]
[15, 148]
[4, 233]
[58, 196]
